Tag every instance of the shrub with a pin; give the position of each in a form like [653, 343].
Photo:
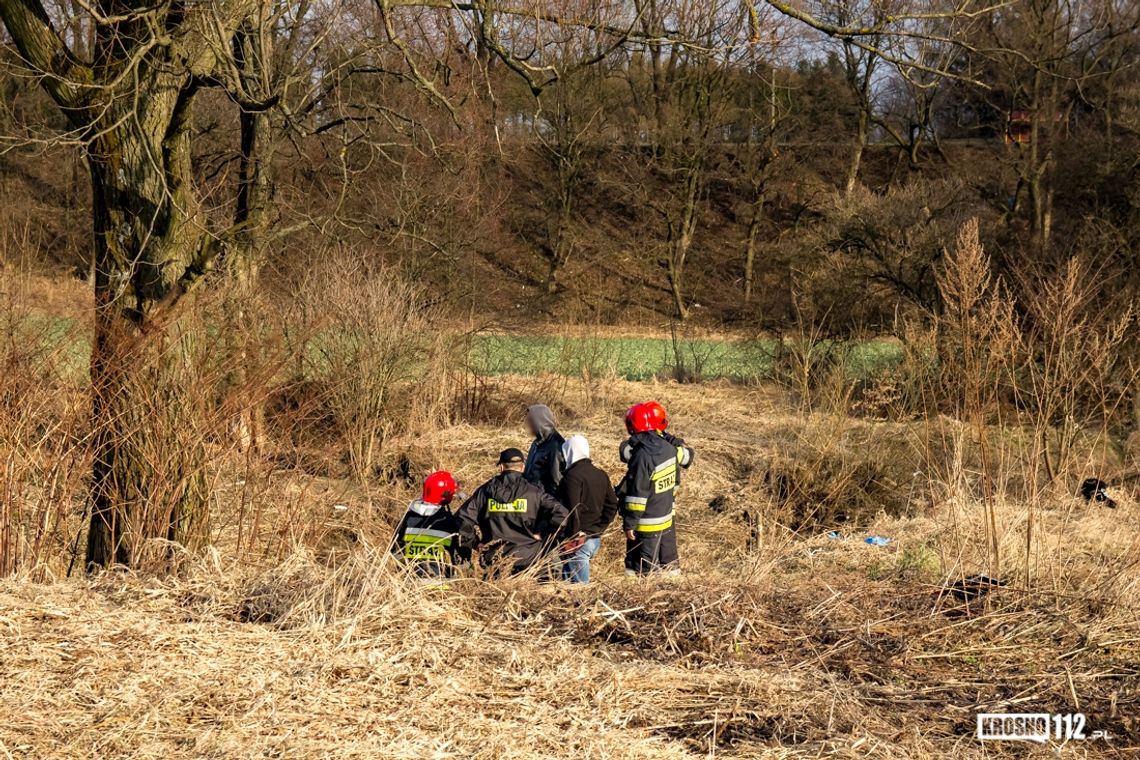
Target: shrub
[367, 332]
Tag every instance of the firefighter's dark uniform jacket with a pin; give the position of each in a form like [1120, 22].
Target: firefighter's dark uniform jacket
[427, 539]
[647, 495]
[684, 453]
[544, 462]
[506, 513]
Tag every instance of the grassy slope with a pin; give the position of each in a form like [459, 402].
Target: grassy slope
[642, 358]
[626, 357]
[54, 318]
[807, 647]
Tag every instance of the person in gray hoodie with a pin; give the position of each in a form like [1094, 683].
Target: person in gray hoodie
[544, 461]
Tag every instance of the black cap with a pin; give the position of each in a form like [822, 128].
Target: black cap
[511, 456]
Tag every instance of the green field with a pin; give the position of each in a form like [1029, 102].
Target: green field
[623, 357]
[643, 358]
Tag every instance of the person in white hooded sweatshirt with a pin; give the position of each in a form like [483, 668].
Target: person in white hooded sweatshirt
[586, 492]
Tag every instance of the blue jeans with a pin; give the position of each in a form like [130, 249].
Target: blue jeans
[576, 567]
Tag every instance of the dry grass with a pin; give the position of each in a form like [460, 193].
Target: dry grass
[296, 635]
[805, 647]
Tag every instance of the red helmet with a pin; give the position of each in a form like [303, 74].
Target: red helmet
[661, 420]
[440, 488]
[639, 419]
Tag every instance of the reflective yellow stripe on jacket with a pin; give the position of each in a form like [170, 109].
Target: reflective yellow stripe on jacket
[425, 543]
[636, 503]
[665, 476]
[654, 524]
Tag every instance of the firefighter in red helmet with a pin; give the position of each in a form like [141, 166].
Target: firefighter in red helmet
[427, 536]
[647, 493]
[653, 414]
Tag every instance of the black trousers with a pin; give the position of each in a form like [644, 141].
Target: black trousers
[496, 561]
[650, 552]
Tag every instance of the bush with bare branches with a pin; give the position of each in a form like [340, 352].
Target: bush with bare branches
[367, 331]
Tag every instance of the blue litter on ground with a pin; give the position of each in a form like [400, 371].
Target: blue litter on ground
[876, 540]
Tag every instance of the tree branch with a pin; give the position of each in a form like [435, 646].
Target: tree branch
[537, 14]
[882, 22]
[886, 26]
[45, 52]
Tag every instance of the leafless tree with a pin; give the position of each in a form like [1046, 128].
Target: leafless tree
[567, 127]
[1041, 55]
[127, 77]
[680, 99]
[760, 121]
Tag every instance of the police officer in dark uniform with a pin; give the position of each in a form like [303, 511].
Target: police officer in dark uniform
[512, 518]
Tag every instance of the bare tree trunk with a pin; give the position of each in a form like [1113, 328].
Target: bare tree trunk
[147, 476]
[105, 544]
[683, 237]
[676, 277]
[750, 245]
[561, 248]
[145, 484]
[254, 196]
[857, 154]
